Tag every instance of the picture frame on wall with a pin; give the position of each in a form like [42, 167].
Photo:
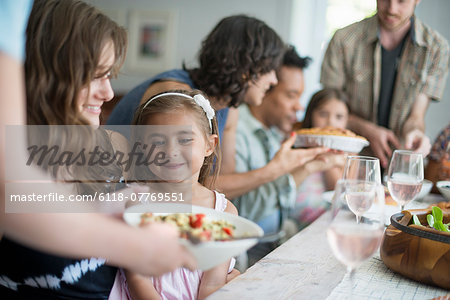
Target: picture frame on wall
[152, 38]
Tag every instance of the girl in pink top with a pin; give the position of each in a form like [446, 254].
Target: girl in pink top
[193, 155]
[327, 107]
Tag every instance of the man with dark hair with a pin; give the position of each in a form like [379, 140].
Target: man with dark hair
[260, 132]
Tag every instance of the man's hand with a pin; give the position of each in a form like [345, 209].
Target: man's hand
[414, 127]
[288, 159]
[381, 141]
[417, 141]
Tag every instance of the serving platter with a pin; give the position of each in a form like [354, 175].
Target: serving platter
[343, 143]
[208, 254]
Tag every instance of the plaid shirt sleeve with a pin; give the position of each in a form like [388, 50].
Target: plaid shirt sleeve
[437, 72]
[333, 70]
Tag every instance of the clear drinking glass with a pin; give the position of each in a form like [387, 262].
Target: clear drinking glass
[359, 196]
[353, 242]
[362, 168]
[405, 176]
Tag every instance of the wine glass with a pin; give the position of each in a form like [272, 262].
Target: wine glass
[362, 168]
[405, 176]
[352, 242]
[359, 195]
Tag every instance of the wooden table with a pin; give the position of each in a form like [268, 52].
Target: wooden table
[302, 268]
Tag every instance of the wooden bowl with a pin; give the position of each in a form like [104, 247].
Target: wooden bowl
[419, 253]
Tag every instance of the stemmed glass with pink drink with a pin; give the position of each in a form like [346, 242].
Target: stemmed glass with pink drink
[363, 168]
[352, 242]
[405, 176]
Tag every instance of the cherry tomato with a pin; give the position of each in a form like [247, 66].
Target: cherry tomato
[228, 231]
[196, 221]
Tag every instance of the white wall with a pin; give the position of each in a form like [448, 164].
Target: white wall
[195, 20]
[435, 14]
[308, 35]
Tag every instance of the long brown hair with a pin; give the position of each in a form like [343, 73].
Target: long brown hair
[170, 103]
[65, 39]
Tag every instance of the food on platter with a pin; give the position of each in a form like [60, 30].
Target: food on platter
[333, 138]
[329, 131]
[202, 252]
[435, 220]
[194, 225]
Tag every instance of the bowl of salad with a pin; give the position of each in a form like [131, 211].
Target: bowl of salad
[212, 237]
[417, 245]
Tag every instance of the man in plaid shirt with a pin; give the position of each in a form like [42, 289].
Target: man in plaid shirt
[390, 66]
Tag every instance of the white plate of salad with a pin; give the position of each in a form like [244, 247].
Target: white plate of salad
[216, 229]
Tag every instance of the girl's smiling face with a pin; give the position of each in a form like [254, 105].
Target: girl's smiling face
[332, 113]
[183, 143]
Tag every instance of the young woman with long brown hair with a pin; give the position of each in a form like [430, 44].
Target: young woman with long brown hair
[72, 49]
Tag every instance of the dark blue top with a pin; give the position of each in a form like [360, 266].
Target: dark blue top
[31, 274]
[123, 112]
